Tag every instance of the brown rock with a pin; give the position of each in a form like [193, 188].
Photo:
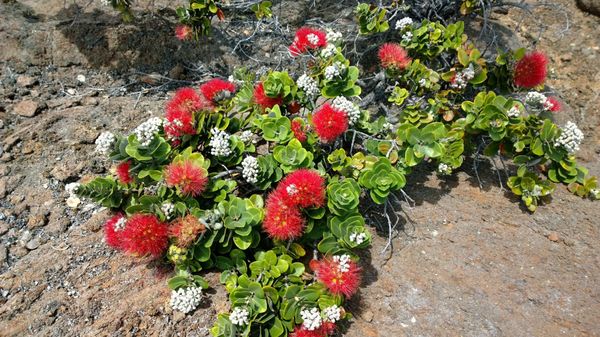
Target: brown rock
[177, 72]
[27, 108]
[26, 81]
[589, 6]
[3, 254]
[3, 190]
[95, 223]
[18, 251]
[36, 220]
[553, 237]
[3, 227]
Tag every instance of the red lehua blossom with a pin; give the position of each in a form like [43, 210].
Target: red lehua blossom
[185, 230]
[298, 130]
[530, 71]
[112, 235]
[217, 89]
[307, 38]
[304, 188]
[183, 32]
[180, 112]
[263, 100]
[283, 221]
[555, 104]
[187, 177]
[325, 330]
[144, 235]
[337, 281]
[329, 123]
[122, 172]
[393, 56]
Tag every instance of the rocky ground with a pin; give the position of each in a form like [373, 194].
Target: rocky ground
[467, 261]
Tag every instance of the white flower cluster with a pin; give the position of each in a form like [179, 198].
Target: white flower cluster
[219, 143]
[343, 104]
[333, 36]
[570, 138]
[387, 126]
[239, 316]
[539, 101]
[250, 169]
[444, 168]
[422, 82]
[168, 208]
[313, 39]
[332, 314]
[329, 51]
[358, 238]
[71, 188]
[514, 112]
[334, 70]
[291, 189]
[211, 219]
[186, 299]
[308, 85]
[406, 37]
[104, 142]
[247, 136]
[145, 131]
[462, 77]
[403, 23]
[105, 2]
[343, 262]
[311, 319]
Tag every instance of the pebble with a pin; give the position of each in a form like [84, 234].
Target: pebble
[73, 201]
[553, 237]
[81, 78]
[33, 244]
[26, 81]
[25, 237]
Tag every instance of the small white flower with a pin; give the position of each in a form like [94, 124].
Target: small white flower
[444, 168]
[332, 314]
[219, 143]
[387, 126]
[358, 237]
[329, 51]
[334, 37]
[291, 189]
[71, 188]
[104, 143]
[538, 101]
[343, 104]
[514, 112]
[403, 23]
[145, 132]
[334, 70]
[422, 82]
[343, 262]
[313, 39]
[570, 138]
[406, 37]
[246, 136]
[250, 169]
[168, 209]
[186, 299]
[537, 191]
[239, 316]
[463, 77]
[105, 2]
[308, 85]
[311, 319]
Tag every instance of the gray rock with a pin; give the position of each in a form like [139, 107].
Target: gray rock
[33, 244]
[589, 6]
[25, 237]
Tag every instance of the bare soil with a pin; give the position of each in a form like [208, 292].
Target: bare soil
[466, 261]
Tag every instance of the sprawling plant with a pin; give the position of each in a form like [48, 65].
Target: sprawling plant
[262, 178]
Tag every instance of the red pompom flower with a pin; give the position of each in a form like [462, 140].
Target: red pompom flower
[283, 220]
[186, 230]
[392, 56]
[113, 228]
[261, 98]
[145, 235]
[298, 130]
[339, 274]
[122, 172]
[216, 90]
[553, 104]
[324, 330]
[530, 71]
[307, 38]
[304, 188]
[180, 112]
[183, 32]
[329, 123]
[189, 178]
